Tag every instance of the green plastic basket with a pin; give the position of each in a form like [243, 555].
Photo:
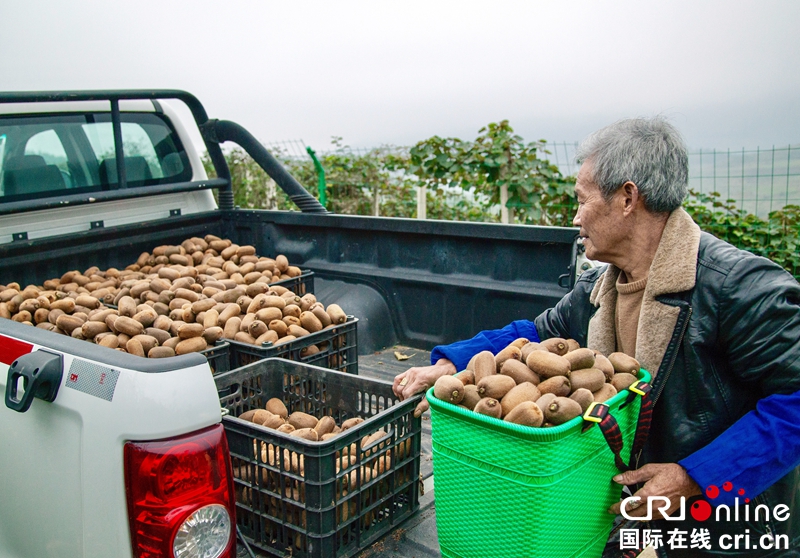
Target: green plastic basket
[509, 490]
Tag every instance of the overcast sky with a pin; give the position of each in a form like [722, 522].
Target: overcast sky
[727, 73]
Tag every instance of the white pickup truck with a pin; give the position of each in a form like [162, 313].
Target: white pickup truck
[123, 456]
[105, 454]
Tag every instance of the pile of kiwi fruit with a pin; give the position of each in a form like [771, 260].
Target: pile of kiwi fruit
[175, 300]
[538, 384]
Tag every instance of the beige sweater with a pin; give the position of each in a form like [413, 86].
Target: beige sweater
[626, 316]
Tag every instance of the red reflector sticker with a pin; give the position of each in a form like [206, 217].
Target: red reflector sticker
[12, 349]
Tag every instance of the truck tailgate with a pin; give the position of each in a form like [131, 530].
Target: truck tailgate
[62, 461]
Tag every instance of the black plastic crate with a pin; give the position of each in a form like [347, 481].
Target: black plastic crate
[309, 499]
[300, 285]
[338, 349]
[218, 357]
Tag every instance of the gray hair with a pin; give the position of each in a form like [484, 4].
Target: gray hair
[646, 151]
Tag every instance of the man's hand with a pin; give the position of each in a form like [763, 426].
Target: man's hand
[660, 479]
[420, 378]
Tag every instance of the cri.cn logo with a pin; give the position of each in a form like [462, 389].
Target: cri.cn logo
[701, 510]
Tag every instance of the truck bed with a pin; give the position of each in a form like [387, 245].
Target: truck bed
[411, 284]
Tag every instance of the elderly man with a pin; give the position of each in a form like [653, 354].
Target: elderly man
[719, 329]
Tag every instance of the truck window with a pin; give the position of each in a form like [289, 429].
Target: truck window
[135, 141]
[60, 154]
[47, 145]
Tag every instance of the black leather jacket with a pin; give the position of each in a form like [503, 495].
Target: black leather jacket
[736, 340]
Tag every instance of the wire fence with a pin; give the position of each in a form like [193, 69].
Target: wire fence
[759, 180]
[291, 149]
[562, 155]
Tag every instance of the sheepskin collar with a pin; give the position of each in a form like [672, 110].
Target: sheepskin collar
[673, 270]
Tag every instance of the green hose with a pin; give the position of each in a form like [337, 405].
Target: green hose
[323, 198]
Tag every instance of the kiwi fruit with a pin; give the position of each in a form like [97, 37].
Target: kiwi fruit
[160, 352]
[370, 439]
[211, 334]
[555, 345]
[248, 415]
[260, 416]
[527, 413]
[172, 342]
[520, 372]
[273, 421]
[547, 364]
[545, 400]
[325, 425]
[604, 393]
[336, 314]
[558, 385]
[299, 420]
[484, 365]
[589, 378]
[471, 396]
[276, 407]
[310, 322]
[467, 376]
[528, 348]
[520, 342]
[448, 388]
[580, 358]
[306, 434]
[91, 328]
[510, 352]
[351, 422]
[147, 341]
[562, 409]
[134, 347]
[496, 386]
[624, 363]
[622, 380]
[489, 406]
[525, 391]
[323, 317]
[572, 345]
[584, 397]
[601, 362]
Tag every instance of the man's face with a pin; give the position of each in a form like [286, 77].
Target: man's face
[600, 221]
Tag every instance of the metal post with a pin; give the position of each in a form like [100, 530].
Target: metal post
[122, 179]
[422, 202]
[504, 217]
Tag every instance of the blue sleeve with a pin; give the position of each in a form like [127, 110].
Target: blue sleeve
[754, 453]
[495, 340]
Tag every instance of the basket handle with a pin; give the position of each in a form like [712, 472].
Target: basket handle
[599, 413]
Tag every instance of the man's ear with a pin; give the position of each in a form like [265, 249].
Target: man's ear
[630, 197]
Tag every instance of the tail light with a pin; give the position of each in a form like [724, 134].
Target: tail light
[180, 496]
